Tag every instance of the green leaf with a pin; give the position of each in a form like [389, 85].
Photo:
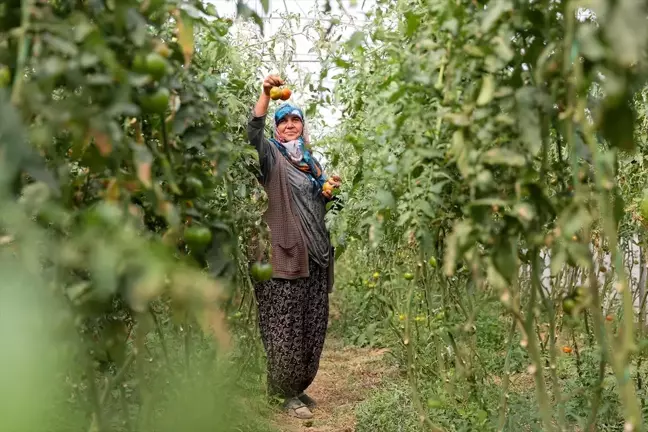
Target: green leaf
[137, 26]
[496, 9]
[529, 119]
[574, 220]
[342, 63]
[428, 153]
[456, 244]
[244, 11]
[356, 39]
[437, 187]
[426, 208]
[385, 198]
[413, 22]
[505, 259]
[503, 156]
[458, 142]
[590, 45]
[60, 45]
[266, 5]
[618, 123]
[502, 48]
[626, 32]
[452, 25]
[404, 218]
[580, 254]
[495, 279]
[487, 90]
[458, 119]
[525, 213]
[15, 154]
[558, 259]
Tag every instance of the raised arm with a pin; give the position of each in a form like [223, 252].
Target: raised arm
[256, 125]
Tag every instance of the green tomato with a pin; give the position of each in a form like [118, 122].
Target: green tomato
[568, 305]
[198, 237]
[139, 64]
[157, 102]
[105, 213]
[193, 187]
[156, 65]
[432, 262]
[5, 76]
[261, 271]
[408, 276]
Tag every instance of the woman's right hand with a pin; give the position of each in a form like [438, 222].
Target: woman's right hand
[271, 81]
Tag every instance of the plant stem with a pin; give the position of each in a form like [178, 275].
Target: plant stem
[536, 271]
[506, 379]
[24, 44]
[160, 334]
[97, 424]
[117, 377]
[536, 365]
[411, 367]
[591, 421]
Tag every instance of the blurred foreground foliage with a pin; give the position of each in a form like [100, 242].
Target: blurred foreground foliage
[121, 158]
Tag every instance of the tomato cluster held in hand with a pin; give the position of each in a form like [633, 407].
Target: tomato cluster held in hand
[280, 93]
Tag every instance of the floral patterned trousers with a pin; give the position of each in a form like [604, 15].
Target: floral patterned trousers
[293, 318]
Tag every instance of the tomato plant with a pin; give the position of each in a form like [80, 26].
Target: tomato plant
[501, 140]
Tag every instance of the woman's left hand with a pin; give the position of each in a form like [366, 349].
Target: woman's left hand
[334, 182]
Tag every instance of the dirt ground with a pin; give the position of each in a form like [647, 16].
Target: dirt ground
[345, 378]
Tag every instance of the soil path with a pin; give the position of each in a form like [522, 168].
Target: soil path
[346, 376]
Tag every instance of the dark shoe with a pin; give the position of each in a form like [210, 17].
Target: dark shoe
[296, 408]
[309, 401]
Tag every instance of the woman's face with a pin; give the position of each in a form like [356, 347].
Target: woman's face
[290, 127]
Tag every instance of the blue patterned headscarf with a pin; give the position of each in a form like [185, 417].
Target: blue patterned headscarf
[295, 151]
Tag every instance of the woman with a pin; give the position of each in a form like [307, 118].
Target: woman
[293, 305]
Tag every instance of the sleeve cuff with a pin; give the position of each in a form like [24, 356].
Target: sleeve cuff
[255, 118]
